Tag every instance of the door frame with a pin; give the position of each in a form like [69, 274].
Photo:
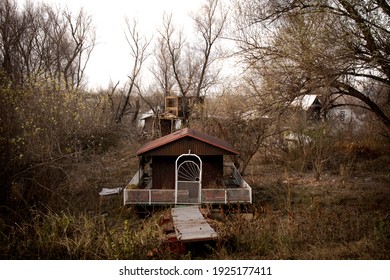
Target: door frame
[199, 181]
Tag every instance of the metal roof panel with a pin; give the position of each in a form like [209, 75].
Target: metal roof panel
[187, 132]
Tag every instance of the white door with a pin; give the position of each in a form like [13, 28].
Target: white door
[188, 179]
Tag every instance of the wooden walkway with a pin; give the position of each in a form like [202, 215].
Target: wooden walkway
[190, 225]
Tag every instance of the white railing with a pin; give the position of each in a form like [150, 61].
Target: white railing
[227, 196]
[155, 196]
[148, 196]
[241, 194]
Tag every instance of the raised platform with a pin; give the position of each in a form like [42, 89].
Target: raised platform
[233, 190]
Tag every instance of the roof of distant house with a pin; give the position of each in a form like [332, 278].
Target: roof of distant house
[304, 101]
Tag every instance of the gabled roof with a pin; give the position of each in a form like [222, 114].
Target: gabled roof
[150, 113]
[304, 101]
[147, 114]
[187, 132]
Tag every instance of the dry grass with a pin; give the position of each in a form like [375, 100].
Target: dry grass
[69, 236]
[298, 217]
[343, 215]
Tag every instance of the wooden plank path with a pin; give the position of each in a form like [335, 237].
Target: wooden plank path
[190, 225]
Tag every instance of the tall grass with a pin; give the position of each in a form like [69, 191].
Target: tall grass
[67, 236]
[298, 222]
[306, 234]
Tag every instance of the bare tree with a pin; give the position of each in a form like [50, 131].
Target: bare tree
[41, 43]
[12, 28]
[138, 50]
[232, 116]
[190, 63]
[340, 46]
[173, 45]
[43, 53]
[209, 23]
[82, 41]
[162, 70]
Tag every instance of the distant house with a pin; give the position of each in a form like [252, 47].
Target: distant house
[146, 121]
[309, 105]
[303, 111]
[187, 167]
[342, 113]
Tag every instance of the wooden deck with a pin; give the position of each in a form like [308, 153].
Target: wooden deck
[190, 225]
[234, 190]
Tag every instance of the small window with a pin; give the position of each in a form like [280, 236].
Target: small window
[342, 116]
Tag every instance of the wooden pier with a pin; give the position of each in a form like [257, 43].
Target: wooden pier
[190, 225]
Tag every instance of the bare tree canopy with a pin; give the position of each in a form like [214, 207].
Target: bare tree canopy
[138, 45]
[341, 46]
[43, 55]
[42, 43]
[183, 67]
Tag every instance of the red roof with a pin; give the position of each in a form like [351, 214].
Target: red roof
[187, 132]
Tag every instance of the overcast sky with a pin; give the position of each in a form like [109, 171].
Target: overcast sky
[110, 59]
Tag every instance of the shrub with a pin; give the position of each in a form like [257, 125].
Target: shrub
[44, 133]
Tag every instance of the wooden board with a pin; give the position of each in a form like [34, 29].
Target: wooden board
[190, 225]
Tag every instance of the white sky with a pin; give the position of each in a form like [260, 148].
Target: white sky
[110, 59]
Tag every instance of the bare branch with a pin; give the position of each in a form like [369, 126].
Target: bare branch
[138, 50]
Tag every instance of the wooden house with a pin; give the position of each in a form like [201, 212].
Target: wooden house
[187, 167]
[309, 106]
[146, 122]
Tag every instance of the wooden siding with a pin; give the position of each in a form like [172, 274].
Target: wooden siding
[163, 173]
[183, 145]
